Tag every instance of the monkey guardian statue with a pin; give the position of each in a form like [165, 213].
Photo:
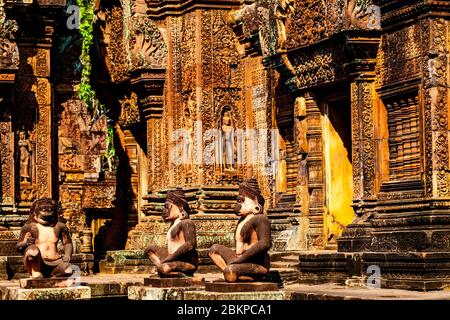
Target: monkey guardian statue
[251, 260]
[38, 242]
[181, 257]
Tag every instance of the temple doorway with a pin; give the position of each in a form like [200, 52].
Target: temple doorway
[338, 180]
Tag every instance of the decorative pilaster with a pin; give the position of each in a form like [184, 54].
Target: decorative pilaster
[363, 147]
[314, 162]
[435, 90]
[9, 65]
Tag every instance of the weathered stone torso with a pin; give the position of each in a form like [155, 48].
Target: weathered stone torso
[244, 242]
[46, 241]
[175, 237]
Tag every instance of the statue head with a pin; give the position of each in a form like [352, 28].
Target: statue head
[44, 211]
[250, 199]
[176, 206]
[226, 119]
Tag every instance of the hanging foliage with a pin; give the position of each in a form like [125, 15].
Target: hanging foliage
[85, 91]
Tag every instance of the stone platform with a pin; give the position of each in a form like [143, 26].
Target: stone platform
[219, 289]
[156, 288]
[103, 286]
[258, 295]
[150, 293]
[67, 293]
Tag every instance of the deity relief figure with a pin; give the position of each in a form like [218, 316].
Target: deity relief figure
[227, 146]
[24, 157]
[282, 10]
[188, 148]
[180, 258]
[38, 242]
[251, 260]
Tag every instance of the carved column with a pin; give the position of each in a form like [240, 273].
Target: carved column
[43, 127]
[435, 90]
[363, 147]
[149, 87]
[34, 111]
[361, 55]
[9, 65]
[314, 162]
[302, 149]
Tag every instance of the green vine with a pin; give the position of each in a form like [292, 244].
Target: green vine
[85, 91]
[110, 152]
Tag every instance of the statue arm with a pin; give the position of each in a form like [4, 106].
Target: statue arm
[67, 242]
[22, 243]
[189, 244]
[262, 227]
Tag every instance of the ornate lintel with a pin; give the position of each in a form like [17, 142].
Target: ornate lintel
[398, 11]
[160, 9]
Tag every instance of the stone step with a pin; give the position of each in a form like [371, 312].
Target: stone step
[113, 268]
[283, 276]
[284, 255]
[291, 258]
[283, 264]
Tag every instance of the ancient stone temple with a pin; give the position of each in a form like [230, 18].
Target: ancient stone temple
[339, 108]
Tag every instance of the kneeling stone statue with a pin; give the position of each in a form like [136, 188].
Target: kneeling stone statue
[250, 261]
[180, 258]
[38, 242]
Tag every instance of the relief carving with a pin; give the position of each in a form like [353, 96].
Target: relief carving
[9, 52]
[147, 44]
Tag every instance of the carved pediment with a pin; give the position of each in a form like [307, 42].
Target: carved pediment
[148, 48]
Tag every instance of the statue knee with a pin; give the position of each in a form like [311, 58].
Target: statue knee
[229, 274]
[148, 250]
[68, 270]
[32, 253]
[214, 249]
[165, 269]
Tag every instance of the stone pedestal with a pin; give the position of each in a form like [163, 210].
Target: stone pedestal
[31, 283]
[222, 286]
[156, 288]
[69, 293]
[150, 293]
[157, 282]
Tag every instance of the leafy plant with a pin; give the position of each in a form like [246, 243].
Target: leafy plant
[85, 91]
